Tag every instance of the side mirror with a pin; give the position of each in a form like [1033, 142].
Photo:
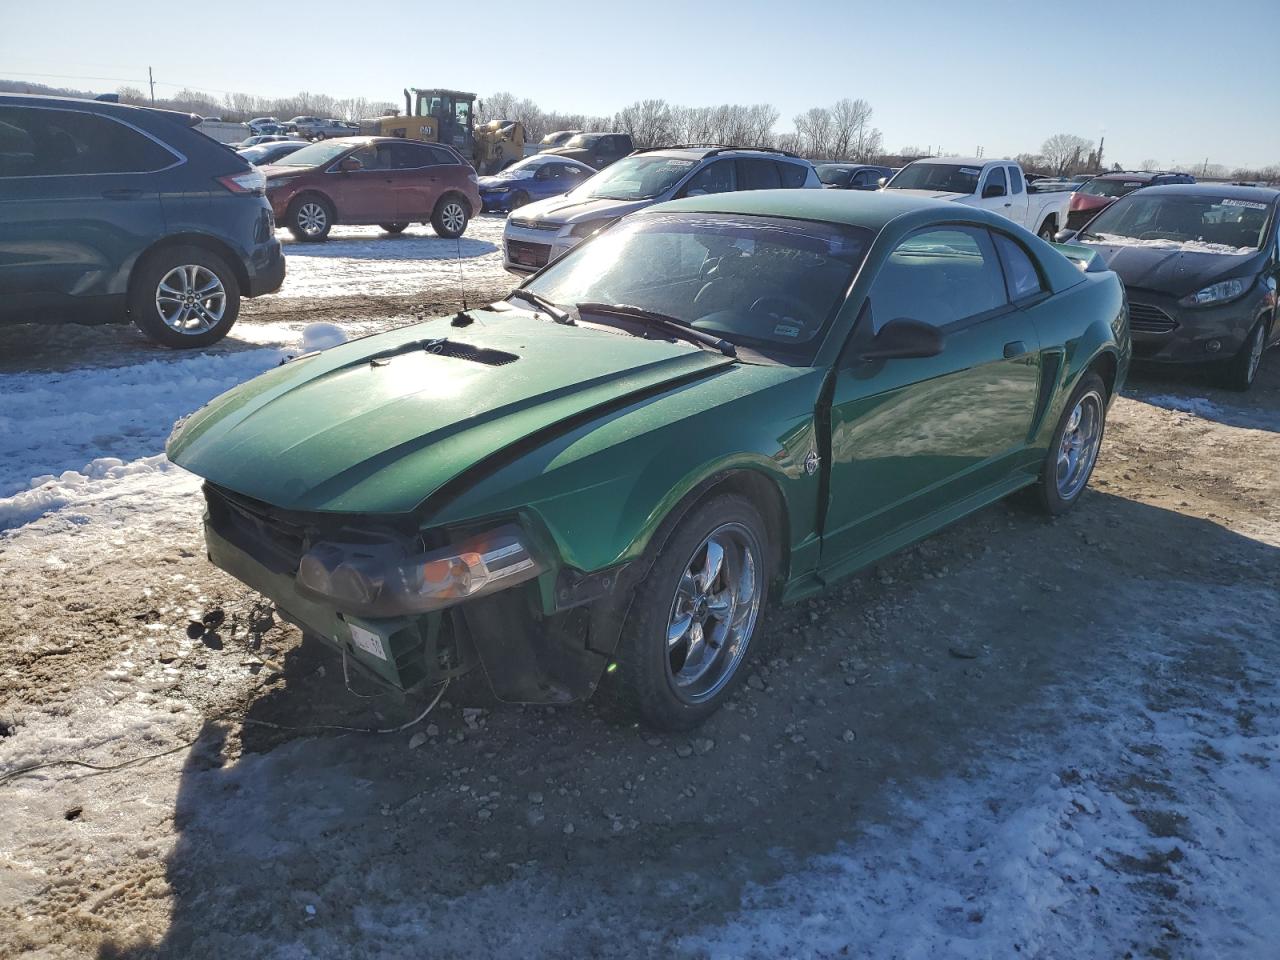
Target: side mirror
[350, 165]
[1065, 236]
[882, 182]
[904, 339]
[993, 190]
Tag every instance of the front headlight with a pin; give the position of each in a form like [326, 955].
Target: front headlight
[379, 580]
[589, 227]
[1216, 293]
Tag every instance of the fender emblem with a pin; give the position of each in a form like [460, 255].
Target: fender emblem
[811, 462]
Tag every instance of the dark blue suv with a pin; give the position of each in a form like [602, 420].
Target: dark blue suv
[111, 212]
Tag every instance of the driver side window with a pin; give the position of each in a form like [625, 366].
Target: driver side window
[940, 276]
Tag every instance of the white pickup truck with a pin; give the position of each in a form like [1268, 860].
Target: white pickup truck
[995, 185]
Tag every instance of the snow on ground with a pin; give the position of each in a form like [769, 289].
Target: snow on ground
[1159, 825]
[368, 262]
[68, 438]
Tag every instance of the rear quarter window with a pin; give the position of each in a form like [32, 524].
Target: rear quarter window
[792, 174]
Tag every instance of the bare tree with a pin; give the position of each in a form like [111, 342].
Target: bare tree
[1150, 165]
[648, 121]
[814, 130]
[1063, 152]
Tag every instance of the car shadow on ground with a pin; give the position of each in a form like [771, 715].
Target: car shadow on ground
[542, 831]
[416, 243]
[1198, 391]
[45, 348]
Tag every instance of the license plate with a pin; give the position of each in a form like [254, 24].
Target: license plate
[525, 257]
[368, 641]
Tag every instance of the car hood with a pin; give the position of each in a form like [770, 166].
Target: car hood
[570, 209]
[933, 194]
[379, 424]
[1170, 270]
[282, 170]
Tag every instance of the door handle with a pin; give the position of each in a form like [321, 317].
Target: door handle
[122, 193]
[1009, 204]
[1015, 348]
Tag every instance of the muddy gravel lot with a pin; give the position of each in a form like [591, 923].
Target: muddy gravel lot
[1018, 738]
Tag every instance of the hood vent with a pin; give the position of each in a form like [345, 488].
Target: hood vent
[465, 351]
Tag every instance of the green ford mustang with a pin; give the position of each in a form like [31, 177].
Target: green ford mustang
[714, 404]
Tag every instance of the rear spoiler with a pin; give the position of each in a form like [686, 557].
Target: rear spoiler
[1084, 258]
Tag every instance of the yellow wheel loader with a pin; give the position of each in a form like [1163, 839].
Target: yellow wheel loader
[448, 116]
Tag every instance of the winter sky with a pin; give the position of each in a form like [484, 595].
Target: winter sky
[1178, 81]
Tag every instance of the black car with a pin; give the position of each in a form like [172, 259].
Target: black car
[595, 149]
[111, 212]
[1201, 264]
[852, 176]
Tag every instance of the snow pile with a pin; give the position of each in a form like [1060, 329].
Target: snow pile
[66, 438]
[1200, 406]
[1182, 246]
[1156, 828]
[322, 336]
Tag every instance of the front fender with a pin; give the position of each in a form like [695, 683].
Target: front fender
[599, 492]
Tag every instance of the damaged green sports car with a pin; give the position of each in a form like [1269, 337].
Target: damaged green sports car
[715, 404]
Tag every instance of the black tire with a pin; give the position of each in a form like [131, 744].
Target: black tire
[185, 270]
[451, 216]
[394, 227]
[1048, 494]
[1242, 369]
[1048, 230]
[645, 681]
[519, 200]
[304, 222]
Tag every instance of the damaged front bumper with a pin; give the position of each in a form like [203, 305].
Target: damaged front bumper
[543, 641]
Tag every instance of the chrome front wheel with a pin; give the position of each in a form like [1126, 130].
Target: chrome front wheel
[713, 612]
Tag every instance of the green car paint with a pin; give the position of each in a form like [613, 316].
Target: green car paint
[592, 441]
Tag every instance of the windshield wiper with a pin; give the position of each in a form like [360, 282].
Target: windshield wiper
[661, 320]
[556, 313]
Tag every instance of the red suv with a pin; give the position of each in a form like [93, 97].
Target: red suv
[382, 180]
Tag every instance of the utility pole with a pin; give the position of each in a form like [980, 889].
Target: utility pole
[1100, 168]
[151, 78]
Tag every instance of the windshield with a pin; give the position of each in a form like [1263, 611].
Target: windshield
[1205, 224]
[1109, 188]
[582, 140]
[530, 164]
[943, 177]
[766, 284]
[316, 155]
[834, 174]
[636, 178]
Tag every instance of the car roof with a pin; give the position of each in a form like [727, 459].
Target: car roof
[859, 208]
[849, 165]
[967, 161]
[699, 153]
[109, 107]
[1224, 190]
